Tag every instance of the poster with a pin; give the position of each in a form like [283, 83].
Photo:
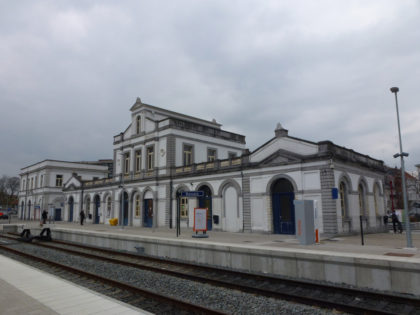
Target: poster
[200, 219]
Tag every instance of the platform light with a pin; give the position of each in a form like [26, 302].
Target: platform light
[395, 90]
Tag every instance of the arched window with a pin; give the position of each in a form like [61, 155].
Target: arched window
[137, 206]
[138, 124]
[108, 206]
[343, 199]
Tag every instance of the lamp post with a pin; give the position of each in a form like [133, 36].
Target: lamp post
[401, 155]
[122, 187]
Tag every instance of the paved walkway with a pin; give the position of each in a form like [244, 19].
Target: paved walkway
[377, 244]
[26, 290]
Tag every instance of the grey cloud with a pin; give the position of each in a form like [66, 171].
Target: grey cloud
[69, 72]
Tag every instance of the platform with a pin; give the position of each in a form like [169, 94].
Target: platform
[383, 263]
[26, 290]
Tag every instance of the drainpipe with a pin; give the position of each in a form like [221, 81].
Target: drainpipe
[26, 197]
[81, 201]
[170, 198]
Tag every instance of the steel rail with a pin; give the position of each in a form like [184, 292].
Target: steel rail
[179, 304]
[288, 295]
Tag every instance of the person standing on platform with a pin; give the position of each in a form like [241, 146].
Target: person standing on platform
[386, 218]
[82, 217]
[44, 217]
[396, 223]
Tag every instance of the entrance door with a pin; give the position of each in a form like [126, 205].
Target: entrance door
[71, 208]
[57, 214]
[282, 197]
[97, 209]
[148, 213]
[29, 210]
[283, 213]
[125, 211]
[205, 202]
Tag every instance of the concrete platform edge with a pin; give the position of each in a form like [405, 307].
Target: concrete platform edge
[395, 275]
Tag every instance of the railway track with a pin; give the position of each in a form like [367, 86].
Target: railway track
[337, 298]
[144, 299]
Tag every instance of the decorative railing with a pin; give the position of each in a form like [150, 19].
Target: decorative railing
[201, 167]
[208, 166]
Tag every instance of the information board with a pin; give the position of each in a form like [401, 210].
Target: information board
[200, 219]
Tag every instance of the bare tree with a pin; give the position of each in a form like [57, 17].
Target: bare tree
[3, 194]
[9, 188]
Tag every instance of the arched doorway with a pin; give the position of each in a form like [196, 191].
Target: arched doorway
[148, 210]
[231, 209]
[282, 196]
[97, 205]
[205, 202]
[124, 212]
[29, 211]
[71, 208]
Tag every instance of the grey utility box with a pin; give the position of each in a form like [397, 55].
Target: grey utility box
[305, 221]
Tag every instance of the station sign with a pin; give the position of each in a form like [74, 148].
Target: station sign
[192, 194]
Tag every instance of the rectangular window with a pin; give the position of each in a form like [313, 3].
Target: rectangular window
[23, 186]
[231, 155]
[59, 180]
[126, 163]
[184, 207]
[32, 183]
[42, 181]
[138, 161]
[36, 181]
[150, 158]
[188, 155]
[211, 155]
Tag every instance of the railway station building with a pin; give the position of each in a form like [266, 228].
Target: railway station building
[41, 185]
[162, 154]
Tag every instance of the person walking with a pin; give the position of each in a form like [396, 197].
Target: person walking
[44, 217]
[82, 217]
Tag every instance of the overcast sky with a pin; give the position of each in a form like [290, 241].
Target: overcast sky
[71, 70]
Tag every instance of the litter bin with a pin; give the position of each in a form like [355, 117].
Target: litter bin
[216, 219]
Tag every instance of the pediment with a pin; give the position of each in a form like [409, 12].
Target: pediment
[73, 183]
[71, 187]
[282, 157]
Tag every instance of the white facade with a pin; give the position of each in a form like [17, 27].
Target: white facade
[162, 154]
[42, 184]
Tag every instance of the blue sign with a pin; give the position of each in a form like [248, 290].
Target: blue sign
[192, 194]
[334, 192]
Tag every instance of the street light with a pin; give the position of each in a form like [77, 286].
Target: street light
[122, 187]
[401, 155]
